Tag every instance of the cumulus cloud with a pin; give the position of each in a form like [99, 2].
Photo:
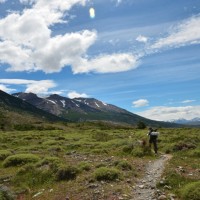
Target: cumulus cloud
[106, 64]
[185, 33]
[141, 38]
[74, 94]
[27, 36]
[163, 113]
[37, 87]
[140, 103]
[188, 101]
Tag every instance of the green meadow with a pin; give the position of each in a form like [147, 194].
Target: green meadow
[93, 161]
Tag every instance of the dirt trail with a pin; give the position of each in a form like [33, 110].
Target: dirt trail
[146, 187]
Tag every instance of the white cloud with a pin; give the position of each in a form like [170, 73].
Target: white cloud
[3, 1]
[106, 64]
[185, 33]
[188, 101]
[163, 113]
[28, 38]
[74, 94]
[141, 38]
[37, 87]
[140, 103]
[5, 88]
[63, 50]
[27, 1]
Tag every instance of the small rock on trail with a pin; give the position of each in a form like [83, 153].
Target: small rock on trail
[146, 187]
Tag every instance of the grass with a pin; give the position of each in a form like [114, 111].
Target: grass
[191, 191]
[106, 174]
[20, 159]
[79, 159]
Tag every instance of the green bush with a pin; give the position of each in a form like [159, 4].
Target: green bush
[5, 193]
[84, 166]
[195, 153]
[123, 165]
[4, 154]
[31, 176]
[128, 148]
[55, 148]
[106, 174]
[175, 179]
[52, 162]
[24, 127]
[191, 191]
[141, 125]
[66, 173]
[138, 152]
[20, 159]
[101, 136]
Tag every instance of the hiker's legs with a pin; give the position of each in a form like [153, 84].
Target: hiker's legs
[155, 146]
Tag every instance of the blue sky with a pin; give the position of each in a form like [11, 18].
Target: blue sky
[140, 55]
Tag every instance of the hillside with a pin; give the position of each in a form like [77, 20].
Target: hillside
[87, 109]
[16, 111]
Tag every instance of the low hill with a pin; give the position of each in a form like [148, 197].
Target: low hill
[87, 109]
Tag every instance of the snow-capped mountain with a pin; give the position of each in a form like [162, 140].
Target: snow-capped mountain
[57, 104]
[83, 109]
[194, 121]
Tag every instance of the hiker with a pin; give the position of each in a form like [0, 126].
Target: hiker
[153, 135]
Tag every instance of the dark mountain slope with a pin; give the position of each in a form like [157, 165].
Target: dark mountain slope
[14, 110]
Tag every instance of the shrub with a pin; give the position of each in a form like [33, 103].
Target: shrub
[5, 193]
[124, 165]
[101, 136]
[30, 176]
[84, 166]
[191, 191]
[20, 159]
[195, 153]
[138, 152]
[52, 162]
[4, 154]
[175, 179]
[24, 127]
[141, 125]
[128, 148]
[55, 148]
[66, 173]
[106, 174]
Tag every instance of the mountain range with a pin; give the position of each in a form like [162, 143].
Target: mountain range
[17, 111]
[195, 121]
[86, 109]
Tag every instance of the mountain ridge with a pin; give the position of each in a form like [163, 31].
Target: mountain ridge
[195, 121]
[17, 111]
[86, 109]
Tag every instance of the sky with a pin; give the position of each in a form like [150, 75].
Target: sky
[140, 55]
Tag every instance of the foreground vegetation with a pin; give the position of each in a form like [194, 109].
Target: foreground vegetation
[93, 161]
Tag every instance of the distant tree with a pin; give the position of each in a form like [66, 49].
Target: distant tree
[141, 125]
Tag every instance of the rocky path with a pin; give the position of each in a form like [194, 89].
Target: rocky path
[146, 187]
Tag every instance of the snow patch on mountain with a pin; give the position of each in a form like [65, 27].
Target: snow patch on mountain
[105, 104]
[51, 101]
[63, 102]
[76, 104]
[97, 104]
